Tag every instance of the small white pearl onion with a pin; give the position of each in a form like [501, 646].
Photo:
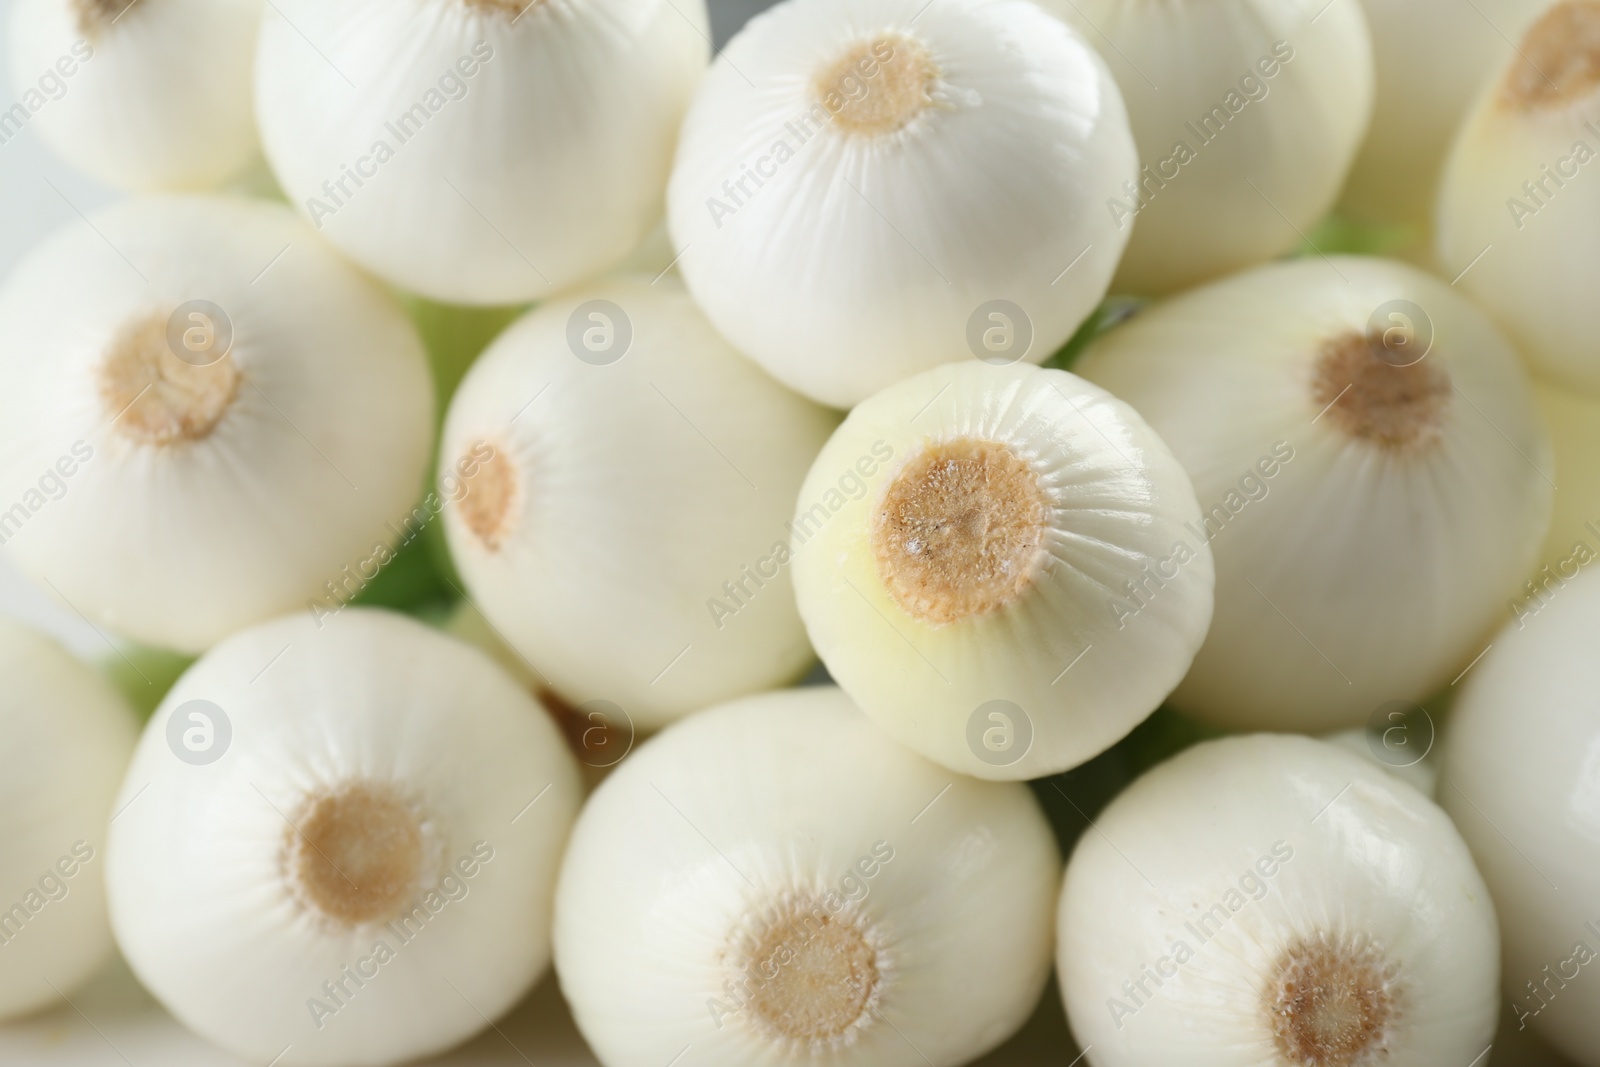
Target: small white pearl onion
[1519, 211]
[188, 497]
[1247, 114]
[774, 881]
[1521, 776]
[377, 783]
[630, 537]
[140, 94]
[1276, 900]
[65, 738]
[1431, 59]
[1371, 508]
[995, 563]
[543, 132]
[859, 181]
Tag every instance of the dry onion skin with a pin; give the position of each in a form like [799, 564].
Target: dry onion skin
[1520, 769]
[1431, 58]
[995, 565]
[1518, 217]
[1276, 900]
[629, 537]
[862, 185]
[65, 738]
[146, 95]
[1373, 475]
[373, 783]
[544, 132]
[775, 881]
[208, 415]
[1247, 114]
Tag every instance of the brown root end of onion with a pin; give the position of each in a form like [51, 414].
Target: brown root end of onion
[960, 530]
[355, 853]
[490, 491]
[152, 396]
[1332, 1002]
[814, 973]
[1365, 391]
[878, 86]
[1559, 61]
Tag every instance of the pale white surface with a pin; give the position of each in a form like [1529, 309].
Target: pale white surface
[545, 149]
[112, 1022]
[1274, 163]
[687, 853]
[862, 259]
[1521, 776]
[39, 192]
[1348, 575]
[199, 901]
[1081, 661]
[1325, 844]
[642, 488]
[1539, 253]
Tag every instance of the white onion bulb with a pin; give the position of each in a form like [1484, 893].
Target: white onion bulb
[1521, 776]
[1519, 213]
[1431, 59]
[1373, 478]
[868, 188]
[140, 94]
[995, 563]
[1276, 900]
[1247, 114]
[339, 846]
[629, 536]
[65, 738]
[775, 881]
[478, 151]
[208, 416]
